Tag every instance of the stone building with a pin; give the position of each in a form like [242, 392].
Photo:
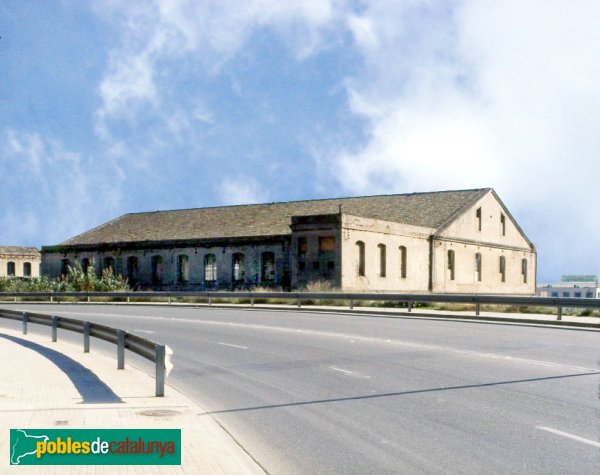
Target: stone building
[18, 261]
[449, 241]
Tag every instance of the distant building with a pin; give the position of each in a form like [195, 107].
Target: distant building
[17, 261]
[452, 241]
[571, 286]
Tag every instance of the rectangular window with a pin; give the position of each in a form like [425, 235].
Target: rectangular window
[566, 294]
[478, 216]
[301, 266]
[302, 246]
[554, 294]
[326, 244]
[578, 295]
[316, 265]
[503, 224]
[330, 265]
[589, 295]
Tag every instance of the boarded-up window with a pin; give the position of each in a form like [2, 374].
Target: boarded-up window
[478, 266]
[451, 265]
[27, 269]
[382, 260]
[403, 262]
[132, 269]
[156, 262]
[210, 268]
[267, 267]
[326, 244]
[10, 269]
[360, 250]
[237, 266]
[183, 269]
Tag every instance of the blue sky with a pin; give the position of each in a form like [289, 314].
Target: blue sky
[111, 107]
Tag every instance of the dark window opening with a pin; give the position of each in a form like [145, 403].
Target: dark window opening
[267, 267]
[302, 246]
[237, 267]
[183, 269]
[382, 260]
[502, 268]
[524, 270]
[302, 266]
[403, 262]
[27, 269]
[503, 224]
[478, 266]
[316, 265]
[132, 269]
[478, 216]
[330, 265]
[360, 247]
[10, 269]
[451, 264]
[65, 265]
[85, 264]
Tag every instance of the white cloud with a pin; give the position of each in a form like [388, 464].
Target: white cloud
[471, 94]
[241, 190]
[158, 33]
[49, 194]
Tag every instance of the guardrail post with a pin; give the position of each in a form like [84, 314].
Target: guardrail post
[51, 298]
[160, 370]
[86, 337]
[120, 349]
[409, 305]
[209, 299]
[299, 303]
[128, 299]
[477, 308]
[88, 298]
[351, 304]
[252, 301]
[559, 313]
[54, 328]
[15, 299]
[25, 319]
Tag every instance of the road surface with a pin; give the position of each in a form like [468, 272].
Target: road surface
[334, 393]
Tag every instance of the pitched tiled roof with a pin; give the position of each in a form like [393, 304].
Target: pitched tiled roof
[419, 209]
[18, 251]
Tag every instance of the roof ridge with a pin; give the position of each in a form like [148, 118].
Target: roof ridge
[301, 201]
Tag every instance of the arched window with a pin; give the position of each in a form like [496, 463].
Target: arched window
[10, 269]
[360, 249]
[85, 264]
[65, 265]
[403, 262]
[382, 259]
[210, 268]
[451, 265]
[237, 267]
[109, 263]
[267, 267]
[524, 270]
[502, 268]
[183, 269]
[132, 269]
[27, 269]
[478, 267]
[156, 262]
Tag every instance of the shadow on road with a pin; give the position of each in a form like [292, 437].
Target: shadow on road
[399, 393]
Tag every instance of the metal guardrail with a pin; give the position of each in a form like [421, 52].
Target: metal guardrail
[158, 354]
[409, 299]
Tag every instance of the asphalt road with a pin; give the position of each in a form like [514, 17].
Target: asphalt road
[332, 393]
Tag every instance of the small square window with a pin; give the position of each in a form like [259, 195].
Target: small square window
[566, 294]
[302, 266]
[578, 294]
[554, 294]
[316, 265]
[589, 295]
[330, 265]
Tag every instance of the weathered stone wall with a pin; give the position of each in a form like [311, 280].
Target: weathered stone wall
[393, 235]
[19, 262]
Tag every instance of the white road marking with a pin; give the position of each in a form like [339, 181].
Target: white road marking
[358, 338]
[137, 330]
[352, 373]
[233, 346]
[569, 436]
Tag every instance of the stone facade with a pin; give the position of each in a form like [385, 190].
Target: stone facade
[469, 243]
[18, 261]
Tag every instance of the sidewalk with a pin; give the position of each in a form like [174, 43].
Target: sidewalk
[56, 385]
